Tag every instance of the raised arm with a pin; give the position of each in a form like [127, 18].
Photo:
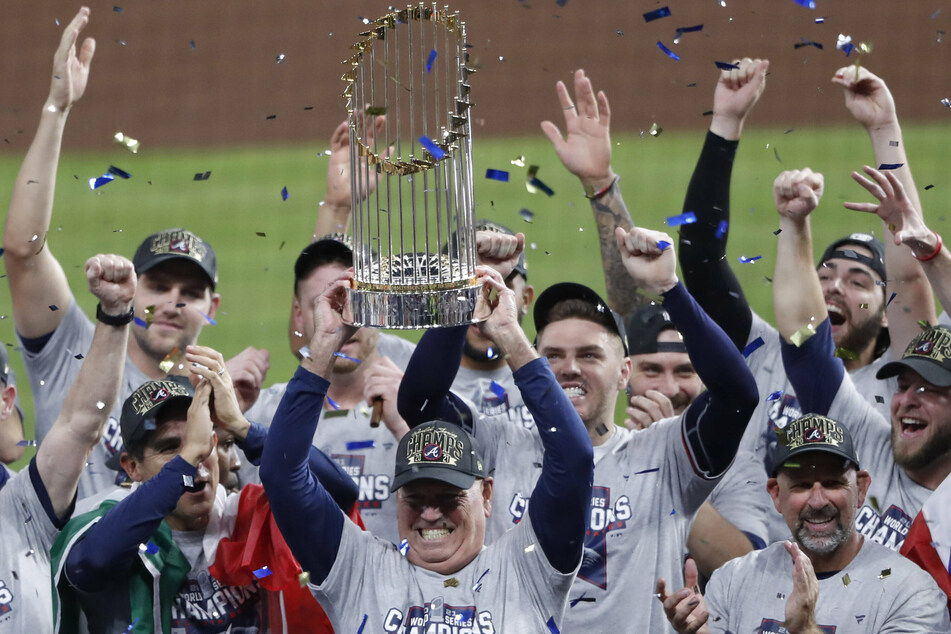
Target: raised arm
[305, 512]
[585, 151]
[36, 279]
[869, 101]
[707, 273]
[62, 455]
[333, 216]
[714, 423]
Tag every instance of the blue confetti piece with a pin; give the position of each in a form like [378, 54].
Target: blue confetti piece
[526, 215]
[149, 548]
[656, 14]
[260, 573]
[685, 218]
[804, 42]
[726, 66]
[331, 402]
[1, 251]
[809, 4]
[96, 183]
[26, 443]
[284, 194]
[890, 299]
[132, 625]
[847, 48]
[890, 166]
[672, 55]
[654, 470]
[348, 358]
[208, 318]
[690, 29]
[433, 149]
[820, 20]
[752, 346]
[745, 260]
[663, 245]
[404, 547]
[202, 176]
[498, 390]
[673, 511]
[551, 626]
[191, 44]
[117, 9]
[561, 3]
[362, 625]
[115, 171]
[353, 445]
[721, 228]
[138, 321]
[542, 186]
[497, 175]
[429, 62]
[775, 395]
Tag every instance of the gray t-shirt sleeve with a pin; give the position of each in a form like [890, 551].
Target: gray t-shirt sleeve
[717, 597]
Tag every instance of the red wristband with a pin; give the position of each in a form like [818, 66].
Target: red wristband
[934, 253]
[597, 195]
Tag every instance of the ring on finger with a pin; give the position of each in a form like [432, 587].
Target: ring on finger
[221, 370]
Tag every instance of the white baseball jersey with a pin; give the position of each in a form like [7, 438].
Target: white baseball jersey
[878, 591]
[509, 587]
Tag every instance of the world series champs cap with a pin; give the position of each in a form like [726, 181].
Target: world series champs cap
[140, 410]
[173, 244]
[928, 354]
[809, 433]
[438, 450]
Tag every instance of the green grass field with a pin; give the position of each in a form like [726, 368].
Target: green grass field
[257, 236]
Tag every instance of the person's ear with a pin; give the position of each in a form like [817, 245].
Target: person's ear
[131, 466]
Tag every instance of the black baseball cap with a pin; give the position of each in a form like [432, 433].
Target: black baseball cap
[174, 244]
[562, 291]
[334, 247]
[143, 406]
[521, 266]
[839, 249]
[438, 450]
[812, 432]
[644, 327]
[928, 354]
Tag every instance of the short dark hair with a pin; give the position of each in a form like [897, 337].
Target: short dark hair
[320, 253]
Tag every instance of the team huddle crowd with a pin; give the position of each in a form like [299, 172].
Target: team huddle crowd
[765, 479]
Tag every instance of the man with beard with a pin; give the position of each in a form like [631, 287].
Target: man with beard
[832, 578]
[909, 458]
[175, 295]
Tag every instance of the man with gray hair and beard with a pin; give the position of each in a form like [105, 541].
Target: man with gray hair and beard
[832, 576]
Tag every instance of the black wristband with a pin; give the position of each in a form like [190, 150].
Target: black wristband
[115, 320]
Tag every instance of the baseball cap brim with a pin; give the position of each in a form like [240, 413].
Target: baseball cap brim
[571, 290]
[157, 260]
[442, 474]
[799, 451]
[114, 461]
[927, 369]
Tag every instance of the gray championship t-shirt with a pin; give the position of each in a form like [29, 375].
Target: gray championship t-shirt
[779, 406]
[493, 393]
[740, 496]
[367, 454]
[26, 535]
[879, 591]
[509, 587]
[52, 371]
[644, 498]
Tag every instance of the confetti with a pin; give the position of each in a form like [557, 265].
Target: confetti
[353, 445]
[890, 166]
[551, 625]
[887, 572]
[348, 358]
[539, 185]
[655, 130]
[149, 548]
[117, 9]
[800, 336]
[686, 218]
[404, 547]
[686, 29]
[280, 58]
[304, 578]
[262, 572]
[654, 470]
[188, 481]
[26, 443]
[672, 55]
[202, 176]
[745, 260]
[191, 44]
[844, 44]
[138, 321]
[331, 402]
[526, 215]
[126, 141]
[373, 111]
[846, 580]
[721, 229]
[132, 625]
[207, 318]
[96, 183]
[530, 548]
[809, 4]
[777, 232]
[890, 299]
[663, 245]
[429, 62]
[451, 582]
[115, 171]
[848, 355]
[433, 149]
[879, 399]
[752, 346]
[284, 194]
[726, 66]
[498, 390]
[804, 42]
[656, 14]
[820, 20]
[497, 175]
[54, 307]
[362, 624]
[775, 395]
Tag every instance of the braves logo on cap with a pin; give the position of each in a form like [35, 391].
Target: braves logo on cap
[924, 347]
[814, 434]
[432, 451]
[179, 245]
[159, 394]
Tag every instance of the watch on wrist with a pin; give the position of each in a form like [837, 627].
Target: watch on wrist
[115, 320]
